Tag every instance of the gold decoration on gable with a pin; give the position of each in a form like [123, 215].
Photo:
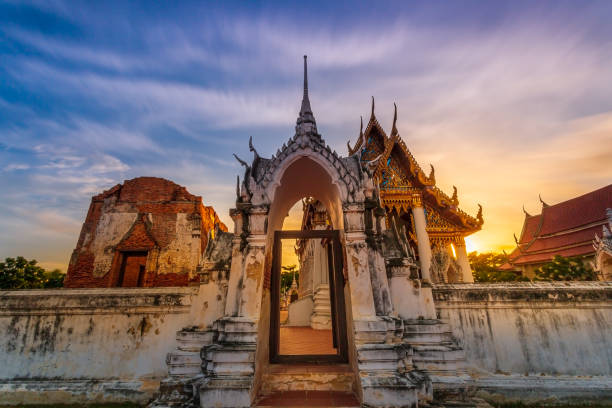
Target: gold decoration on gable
[436, 222]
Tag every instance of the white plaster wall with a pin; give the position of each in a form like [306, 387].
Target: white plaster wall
[110, 230]
[94, 334]
[182, 253]
[531, 328]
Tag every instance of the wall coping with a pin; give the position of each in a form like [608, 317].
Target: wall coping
[96, 301]
[524, 295]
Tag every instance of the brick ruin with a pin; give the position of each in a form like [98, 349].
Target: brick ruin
[146, 232]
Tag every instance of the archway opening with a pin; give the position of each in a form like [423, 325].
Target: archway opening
[308, 323]
[307, 305]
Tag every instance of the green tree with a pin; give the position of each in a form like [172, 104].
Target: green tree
[287, 274]
[19, 273]
[486, 268]
[54, 279]
[562, 268]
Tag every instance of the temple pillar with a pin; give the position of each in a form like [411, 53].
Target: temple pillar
[420, 226]
[463, 261]
[362, 300]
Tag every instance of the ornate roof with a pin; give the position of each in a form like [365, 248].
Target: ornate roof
[567, 228]
[400, 176]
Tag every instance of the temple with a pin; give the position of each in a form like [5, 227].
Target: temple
[567, 229]
[436, 226]
[180, 312]
[146, 232]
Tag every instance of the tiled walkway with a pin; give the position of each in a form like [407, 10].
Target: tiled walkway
[305, 340]
[309, 399]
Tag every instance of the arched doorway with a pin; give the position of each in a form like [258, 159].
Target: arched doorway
[305, 177]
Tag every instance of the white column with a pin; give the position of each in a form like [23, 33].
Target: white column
[424, 247]
[463, 261]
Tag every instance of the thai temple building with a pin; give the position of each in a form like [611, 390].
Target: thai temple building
[436, 227]
[166, 307]
[568, 229]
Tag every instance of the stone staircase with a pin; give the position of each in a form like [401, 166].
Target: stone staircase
[184, 368]
[435, 349]
[321, 311]
[185, 361]
[308, 385]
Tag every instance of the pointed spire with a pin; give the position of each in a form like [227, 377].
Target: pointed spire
[306, 115]
[455, 197]
[525, 211]
[361, 128]
[372, 114]
[394, 127]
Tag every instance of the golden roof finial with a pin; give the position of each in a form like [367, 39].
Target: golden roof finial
[455, 198]
[479, 215]
[544, 205]
[432, 174]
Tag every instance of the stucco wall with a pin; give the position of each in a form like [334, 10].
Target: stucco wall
[561, 328]
[107, 344]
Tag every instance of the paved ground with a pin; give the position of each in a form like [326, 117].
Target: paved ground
[309, 399]
[305, 340]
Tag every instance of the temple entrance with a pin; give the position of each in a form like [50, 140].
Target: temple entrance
[132, 271]
[307, 319]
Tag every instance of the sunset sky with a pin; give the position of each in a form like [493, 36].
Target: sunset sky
[507, 100]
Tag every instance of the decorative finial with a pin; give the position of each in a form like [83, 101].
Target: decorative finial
[455, 198]
[306, 115]
[515, 239]
[525, 211]
[252, 148]
[237, 187]
[305, 75]
[372, 114]
[394, 128]
[242, 162]
[432, 173]
[361, 127]
[542, 201]
[479, 215]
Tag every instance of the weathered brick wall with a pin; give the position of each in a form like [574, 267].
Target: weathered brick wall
[143, 214]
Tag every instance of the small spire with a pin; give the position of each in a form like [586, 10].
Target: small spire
[372, 114]
[525, 211]
[479, 215]
[394, 127]
[361, 127]
[305, 111]
[455, 197]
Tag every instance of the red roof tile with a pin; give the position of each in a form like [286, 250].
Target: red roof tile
[578, 211]
[530, 228]
[565, 229]
[547, 256]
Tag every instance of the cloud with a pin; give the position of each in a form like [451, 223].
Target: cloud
[16, 166]
[505, 109]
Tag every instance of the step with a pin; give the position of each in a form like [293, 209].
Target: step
[309, 399]
[307, 377]
[183, 363]
[193, 340]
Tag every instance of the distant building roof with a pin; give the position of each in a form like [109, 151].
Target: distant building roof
[565, 229]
